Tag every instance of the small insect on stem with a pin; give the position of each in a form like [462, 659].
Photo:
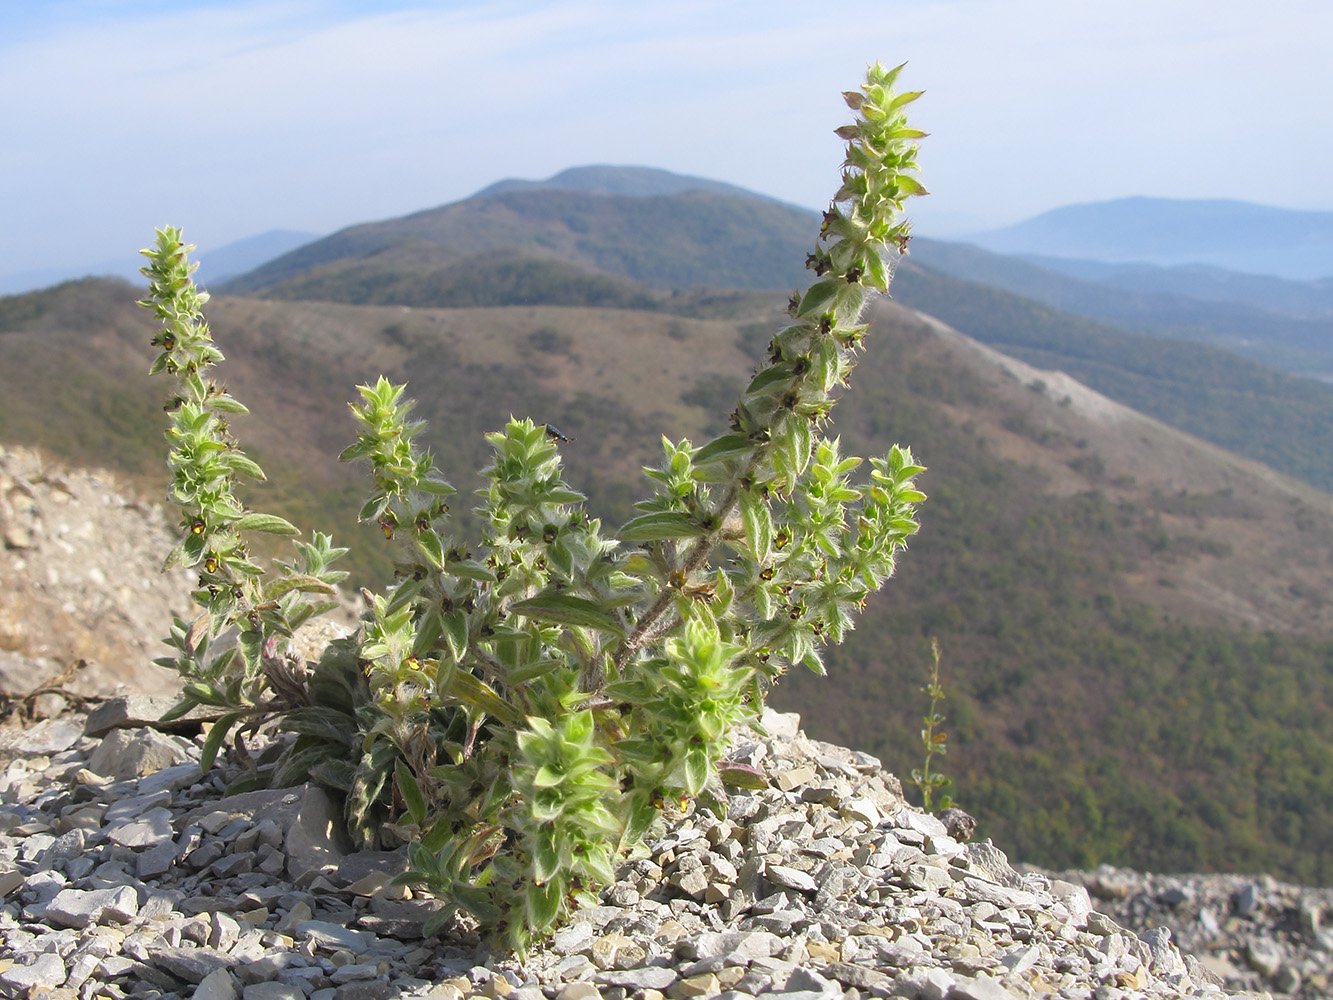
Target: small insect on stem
[556, 434]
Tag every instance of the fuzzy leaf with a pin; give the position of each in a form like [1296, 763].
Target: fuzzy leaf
[304, 584]
[721, 448]
[758, 522]
[566, 609]
[659, 526]
[461, 685]
[543, 904]
[237, 462]
[410, 791]
[455, 633]
[269, 524]
[214, 741]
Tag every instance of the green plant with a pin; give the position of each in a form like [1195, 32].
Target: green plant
[251, 678]
[934, 741]
[519, 710]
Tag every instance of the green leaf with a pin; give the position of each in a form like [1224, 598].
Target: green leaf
[543, 904]
[215, 737]
[472, 691]
[456, 633]
[758, 523]
[565, 609]
[410, 791]
[182, 707]
[324, 723]
[659, 526]
[206, 694]
[432, 548]
[820, 297]
[696, 771]
[721, 448]
[226, 404]
[910, 185]
[470, 569]
[269, 524]
[237, 462]
[304, 584]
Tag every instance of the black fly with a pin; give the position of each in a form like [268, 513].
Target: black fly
[556, 434]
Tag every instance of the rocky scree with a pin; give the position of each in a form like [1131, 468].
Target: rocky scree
[80, 561]
[1253, 933]
[126, 873]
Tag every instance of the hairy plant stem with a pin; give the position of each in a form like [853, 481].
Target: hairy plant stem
[697, 554]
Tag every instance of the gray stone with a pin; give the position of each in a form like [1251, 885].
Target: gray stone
[987, 861]
[47, 971]
[790, 878]
[980, 988]
[741, 946]
[1264, 957]
[378, 990]
[1020, 960]
[355, 972]
[132, 753]
[79, 908]
[860, 976]
[156, 860]
[152, 829]
[273, 991]
[644, 978]
[9, 881]
[191, 965]
[805, 980]
[1246, 900]
[217, 985]
[66, 846]
[1163, 958]
[1000, 895]
[925, 984]
[316, 838]
[169, 779]
[49, 736]
[333, 936]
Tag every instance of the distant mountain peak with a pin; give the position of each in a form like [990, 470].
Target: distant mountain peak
[627, 181]
[1234, 235]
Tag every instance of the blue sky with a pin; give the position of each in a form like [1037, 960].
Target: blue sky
[235, 118]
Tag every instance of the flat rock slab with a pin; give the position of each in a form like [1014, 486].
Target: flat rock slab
[191, 965]
[78, 908]
[138, 711]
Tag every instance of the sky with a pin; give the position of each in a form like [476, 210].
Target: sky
[235, 118]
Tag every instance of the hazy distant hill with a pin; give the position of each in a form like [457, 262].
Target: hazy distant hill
[246, 254]
[1236, 235]
[1280, 323]
[221, 262]
[690, 239]
[1126, 613]
[1288, 297]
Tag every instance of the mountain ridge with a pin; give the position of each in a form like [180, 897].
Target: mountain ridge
[542, 243]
